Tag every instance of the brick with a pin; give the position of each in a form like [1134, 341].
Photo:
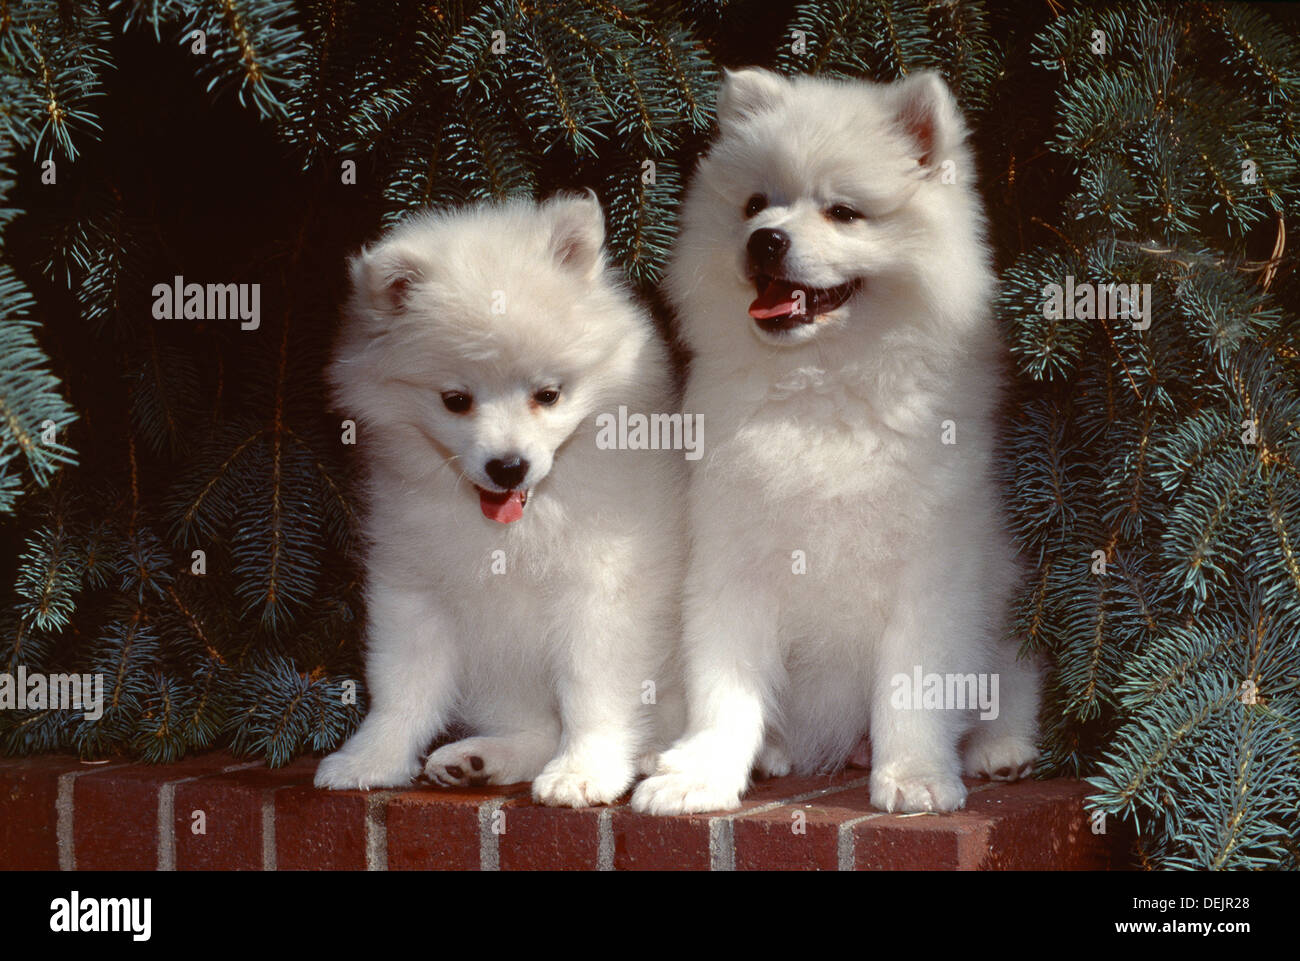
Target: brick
[843, 825]
[644, 842]
[540, 838]
[1029, 825]
[318, 830]
[115, 811]
[1043, 825]
[766, 841]
[437, 829]
[232, 805]
[29, 791]
[956, 841]
[113, 818]
[919, 842]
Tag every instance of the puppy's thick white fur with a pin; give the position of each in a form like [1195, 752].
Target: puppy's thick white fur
[826, 450]
[540, 636]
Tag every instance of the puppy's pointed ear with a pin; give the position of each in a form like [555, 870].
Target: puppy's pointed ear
[577, 232]
[927, 114]
[747, 92]
[383, 276]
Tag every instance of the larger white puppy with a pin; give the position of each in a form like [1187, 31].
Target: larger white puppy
[521, 581]
[833, 282]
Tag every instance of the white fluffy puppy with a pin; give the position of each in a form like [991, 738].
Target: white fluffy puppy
[521, 581]
[834, 284]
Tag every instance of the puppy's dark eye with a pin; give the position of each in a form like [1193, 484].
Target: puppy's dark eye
[754, 204]
[547, 396]
[457, 402]
[845, 214]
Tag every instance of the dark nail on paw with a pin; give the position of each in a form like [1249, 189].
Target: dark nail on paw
[455, 771]
[1002, 772]
[476, 762]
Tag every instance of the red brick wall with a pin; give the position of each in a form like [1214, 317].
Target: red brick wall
[60, 813]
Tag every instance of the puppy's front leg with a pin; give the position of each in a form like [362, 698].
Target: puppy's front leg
[410, 673]
[731, 662]
[604, 723]
[934, 626]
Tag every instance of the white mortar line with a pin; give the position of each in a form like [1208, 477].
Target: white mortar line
[605, 840]
[268, 829]
[845, 847]
[722, 843]
[167, 813]
[63, 813]
[722, 839]
[377, 829]
[489, 842]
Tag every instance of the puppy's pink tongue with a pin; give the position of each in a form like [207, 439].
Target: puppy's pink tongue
[505, 508]
[776, 300]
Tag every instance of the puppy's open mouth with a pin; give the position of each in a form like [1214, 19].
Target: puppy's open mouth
[505, 507]
[784, 304]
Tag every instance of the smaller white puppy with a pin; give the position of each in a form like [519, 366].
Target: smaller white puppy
[521, 581]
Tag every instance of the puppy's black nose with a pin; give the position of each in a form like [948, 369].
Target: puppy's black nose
[507, 473]
[767, 249]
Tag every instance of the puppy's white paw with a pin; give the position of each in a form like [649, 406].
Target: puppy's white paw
[680, 787]
[682, 794]
[566, 783]
[1000, 758]
[696, 776]
[901, 790]
[348, 769]
[773, 761]
[472, 761]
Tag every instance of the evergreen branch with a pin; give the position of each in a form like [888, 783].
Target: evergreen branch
[32, 411]
[191, 512]
[258, 49]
